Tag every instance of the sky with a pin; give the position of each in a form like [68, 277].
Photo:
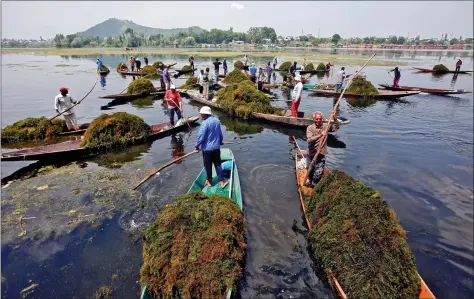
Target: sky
[32, 19]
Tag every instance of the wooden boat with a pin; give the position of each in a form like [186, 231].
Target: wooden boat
[313, 72]
[423, 70]
[73, 148]
[182, 72]
[127, 97]
[129, 73]
[105, 72]
[380, 95]
[305, 86]
[302, 121]
[232, 190]
[82, 130]
[425, 292]
[427, 90]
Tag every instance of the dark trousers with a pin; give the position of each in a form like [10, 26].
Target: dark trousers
[132, 67]
[225, 71]
[253, 78]
[260, 86]
[317, 172]
[201, 88]
[172, 111]
[213, 157]
[162, 83]
[458, 68]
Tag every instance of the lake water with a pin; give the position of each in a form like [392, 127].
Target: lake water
[418, 152]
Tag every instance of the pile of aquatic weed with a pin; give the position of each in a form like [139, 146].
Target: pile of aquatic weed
[115, 130]
[309, 67]
[156, 64]
[362, 87]
[285, 66]
[238, 65]
[195, 248]
[358, 237]
[104, 69]
[243, 99]
[236, 76]
[191, 83]
[140, 86]
[33, 128]
[149, 72]
[119, 66]
[187, 68]
[440, 68]
[321, 67]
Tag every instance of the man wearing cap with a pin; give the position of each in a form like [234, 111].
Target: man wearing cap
[296, 96]
[173, 98]
[209, 140]
[63, 102]
[253, 73]
[314, 135]
[340, 78]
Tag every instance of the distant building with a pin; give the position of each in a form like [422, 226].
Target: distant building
[238, 42]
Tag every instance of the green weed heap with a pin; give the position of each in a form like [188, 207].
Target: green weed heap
[141, 86]
[115, 130]
[238, 65]
[149, 72]
[33, 128]
[240, 97]
[191, 83]
[362, 87]
[309, 67]
[440, 68]
[358, 236]
[321, 67]
[195, 248]
[285, 66]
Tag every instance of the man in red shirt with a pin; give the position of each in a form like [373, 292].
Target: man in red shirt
[458, 65]
[173, 99]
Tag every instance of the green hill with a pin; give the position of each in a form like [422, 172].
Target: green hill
[115, 27]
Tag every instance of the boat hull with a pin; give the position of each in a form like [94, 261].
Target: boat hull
[426, 90]
[72, 149]
[441, 72]
[381, 95]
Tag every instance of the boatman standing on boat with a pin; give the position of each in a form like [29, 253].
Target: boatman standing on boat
[314, 134]
[292, 69]
[173, 98]
[275, 61]
[216, 68]
[62, 102]
[458, 65]
[138, 63]
[269, 72]
[166, 78]
[340, 78]
[132, 64]
[261, 78]
[146, 60]
[296, 96]
[396, 79]
[209, 140]
[246, 60]
[224, 65]
[253, 73]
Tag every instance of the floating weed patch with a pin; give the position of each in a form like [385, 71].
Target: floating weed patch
[191, 83]
[358, 236]
[33, 128]
[104, 292]
[149, 71]
[309, 67]
[362, 87]
[440, 68]
[187, 68]
[115, 130]
[321, 67]
[238, 65]
[285, 66]
[140, 86]
[195, 248]
[243, 99]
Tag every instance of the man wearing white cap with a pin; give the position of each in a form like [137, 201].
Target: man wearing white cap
[296, 96]
[173, 98]
[63, 102]
[209, 140]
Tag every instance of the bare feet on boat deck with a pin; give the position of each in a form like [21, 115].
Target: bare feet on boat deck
[208, 183]
[223, 184]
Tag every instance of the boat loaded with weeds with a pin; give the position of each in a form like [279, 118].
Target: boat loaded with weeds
[195, 248]
[440, 68]
[357, 236]
[141, 86]
[360, 86]
[191, 83]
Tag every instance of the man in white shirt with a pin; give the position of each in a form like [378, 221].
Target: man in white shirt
[340, 78]
[296, 96]
[62, 102]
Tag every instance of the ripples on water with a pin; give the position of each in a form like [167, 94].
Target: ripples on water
[416, 151]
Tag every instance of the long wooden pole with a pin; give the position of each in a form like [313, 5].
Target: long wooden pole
[59, 114]
[161, 168]
[333, 113]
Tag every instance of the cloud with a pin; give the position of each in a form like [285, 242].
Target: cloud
[237, 6]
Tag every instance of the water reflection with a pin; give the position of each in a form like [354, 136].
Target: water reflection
[177, 146]
[361, 102]
[119, 158]
[240, 127]
[102, 80]
[453, 81]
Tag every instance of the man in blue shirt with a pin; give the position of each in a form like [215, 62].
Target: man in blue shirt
[99, 64]
[253, 73]
[210, 139]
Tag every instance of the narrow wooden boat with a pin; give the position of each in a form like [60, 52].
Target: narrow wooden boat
[425, 292]
[305, 86]
[124, 96]
[72, 148]
[302, 121]
[423, 70]
[182, 72]
[380, 95]
[232, 190]
[129, 73]
[313, 72]
[427, 90]
[82, 130]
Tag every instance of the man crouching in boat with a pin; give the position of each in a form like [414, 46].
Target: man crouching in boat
[62, 102]
[314, 134]
[210, 139]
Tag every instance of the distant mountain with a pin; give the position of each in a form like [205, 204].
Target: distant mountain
[115, 27]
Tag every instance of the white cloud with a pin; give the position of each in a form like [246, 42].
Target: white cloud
[237, 6]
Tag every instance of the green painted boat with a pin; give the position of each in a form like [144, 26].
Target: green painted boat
[232, 190]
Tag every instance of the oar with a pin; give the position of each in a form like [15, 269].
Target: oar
[59, 114]
[161, 168]
[297, 145]
[333, 114]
